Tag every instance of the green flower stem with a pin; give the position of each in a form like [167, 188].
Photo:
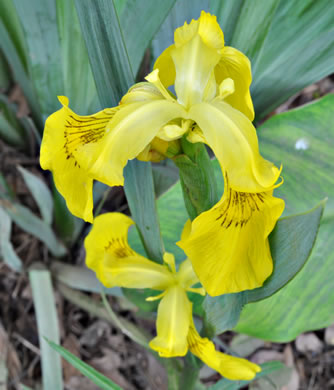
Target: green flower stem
[197, 178]
[190, 372]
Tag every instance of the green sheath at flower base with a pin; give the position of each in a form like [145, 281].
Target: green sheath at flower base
[197, 178]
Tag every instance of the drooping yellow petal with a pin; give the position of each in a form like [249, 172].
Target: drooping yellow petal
[65, 140]
[133, 127]
[173, 320]
[233, 138]
[115, 263]
[197, 51]
[236, 65]
[228, 244]
[228, 366]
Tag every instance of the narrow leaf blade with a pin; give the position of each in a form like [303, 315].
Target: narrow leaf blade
[47, 323]
[88, 371]
[40, 193]
[7, 252]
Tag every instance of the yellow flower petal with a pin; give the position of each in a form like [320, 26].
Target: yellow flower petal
[228, 244]
[133, 127]
[196, 52]
[236, 65]
[186, 230]
[233, 139]
[115, 263]
[186, 275]
[65, 140]
[141, 92]
[166, 67]
[174, 314]
[228, 366]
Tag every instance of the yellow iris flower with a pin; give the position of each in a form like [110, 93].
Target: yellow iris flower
[228, 245]
[212, 105]
[116, 264]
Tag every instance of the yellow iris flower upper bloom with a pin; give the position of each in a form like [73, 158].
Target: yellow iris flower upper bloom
[228, 245]
[213, 105]
[116, 264]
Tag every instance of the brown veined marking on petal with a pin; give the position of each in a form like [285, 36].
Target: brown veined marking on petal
[196, 344]
[239, 207]
[80, 135]
[119, 247]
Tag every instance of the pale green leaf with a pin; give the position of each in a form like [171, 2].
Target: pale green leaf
[39, 21]
[27, 221]
[7, 252]
[40, 192]
[47, 323]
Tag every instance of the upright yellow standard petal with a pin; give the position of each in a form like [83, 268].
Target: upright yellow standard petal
[115, 263]
[236, 65]
[133, 128]
[65, 140]
[233, 138]
[196, 52]
[166, 67]
[228, 366]
[228, 244]
[173, 320]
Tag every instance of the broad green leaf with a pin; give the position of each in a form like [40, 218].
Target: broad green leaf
[139, 190]
[80, 278]
[13, 129]
[165, 175]
[106, 49]
[223, 312]
[291, 243]
[9, 17]
[40, 192]
[39, 21]
[113, 76]
[5, 76]
[19, 71]
[7, 252]
[289, 44]
[267, 369]
[140, 21]
[88, 371]
[27, 221]
[9, 132]
[303, 140]
[79, 85]
[47, 323]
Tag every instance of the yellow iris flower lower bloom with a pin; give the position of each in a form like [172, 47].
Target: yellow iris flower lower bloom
[116, 264]
[228, 244]
[212, 105]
